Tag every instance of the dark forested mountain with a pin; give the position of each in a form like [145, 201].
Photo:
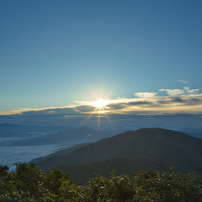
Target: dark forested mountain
[147, 148]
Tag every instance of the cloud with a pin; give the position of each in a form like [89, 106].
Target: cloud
[84, 108]
[173, 92]
[191, 91]
[145, 94]
[116, 106]
[182, 81]
[173, 101]
[177, 100]
[139, 103]
[184, 100]
[10, 155]
[56, 116]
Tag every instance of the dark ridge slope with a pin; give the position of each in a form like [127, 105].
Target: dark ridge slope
[60, 153]
[159, 146]
[82, 173]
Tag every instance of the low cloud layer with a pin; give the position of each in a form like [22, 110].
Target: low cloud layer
[165, 101]
[10, 155]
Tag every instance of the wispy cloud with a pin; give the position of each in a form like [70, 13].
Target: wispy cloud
[191, 91]
[173, 92]
[183, 81]
[145, 94]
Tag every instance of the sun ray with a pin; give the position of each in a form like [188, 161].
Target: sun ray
[100, 110]
[90, 115]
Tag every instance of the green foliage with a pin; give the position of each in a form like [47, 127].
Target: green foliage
[56, 179]
[3, 170]
[169, 186]
[29, 183]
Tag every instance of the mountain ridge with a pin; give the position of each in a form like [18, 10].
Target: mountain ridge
[148, 147]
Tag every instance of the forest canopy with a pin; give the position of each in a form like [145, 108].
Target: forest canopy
[29, 183]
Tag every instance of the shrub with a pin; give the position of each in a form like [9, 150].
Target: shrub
[29, 183]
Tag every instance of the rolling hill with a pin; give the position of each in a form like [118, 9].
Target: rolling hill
[145, 148]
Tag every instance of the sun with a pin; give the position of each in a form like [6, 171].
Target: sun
[100, 103]
[99, 109]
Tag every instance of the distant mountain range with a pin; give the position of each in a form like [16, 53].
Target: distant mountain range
[148, 148]
[24, 128]
[20, 135]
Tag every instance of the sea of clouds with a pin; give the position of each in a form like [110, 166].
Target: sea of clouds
[13, 154]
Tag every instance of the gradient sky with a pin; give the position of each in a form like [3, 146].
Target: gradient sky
[144, 57]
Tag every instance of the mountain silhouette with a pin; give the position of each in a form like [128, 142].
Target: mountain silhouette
[148, 148]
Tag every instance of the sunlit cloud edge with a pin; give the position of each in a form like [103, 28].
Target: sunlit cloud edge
[173, 101]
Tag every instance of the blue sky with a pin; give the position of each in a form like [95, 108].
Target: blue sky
[53, 53]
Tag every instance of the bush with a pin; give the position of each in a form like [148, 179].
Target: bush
[29, 183]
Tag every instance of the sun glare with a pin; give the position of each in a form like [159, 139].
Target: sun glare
[99, 103]
[100, 110]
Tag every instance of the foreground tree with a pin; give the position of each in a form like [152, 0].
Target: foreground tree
[29, 183]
